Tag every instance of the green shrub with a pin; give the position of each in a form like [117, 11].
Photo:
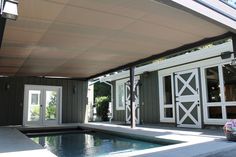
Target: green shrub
[102, 104]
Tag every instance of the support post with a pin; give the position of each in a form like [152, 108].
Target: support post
[234, 44]
[132, 103]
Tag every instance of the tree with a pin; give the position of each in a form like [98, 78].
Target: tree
[102, 89]
[102, 104]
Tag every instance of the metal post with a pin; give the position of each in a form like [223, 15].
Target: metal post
[234, 44]
[132, 105]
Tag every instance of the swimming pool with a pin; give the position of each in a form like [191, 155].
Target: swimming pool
[90, 144]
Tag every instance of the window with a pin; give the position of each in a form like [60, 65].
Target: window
[212, 81]
[231, 112]
[220, 96]
[215, 112]
[120, 95]
[167, 90]
[166, 98]
[35, 99]
[229, 76]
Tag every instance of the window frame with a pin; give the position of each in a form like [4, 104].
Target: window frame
[118, 83]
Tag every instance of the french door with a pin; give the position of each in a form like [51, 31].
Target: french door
[188, 109]
[42, 105]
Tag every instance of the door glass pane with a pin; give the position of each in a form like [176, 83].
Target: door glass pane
[51, 105]
[215, 112]
[231, 112]
[168, 112]
[34, 105]
[229, 73]
[121, 95]
[213, 86]
[167, 90]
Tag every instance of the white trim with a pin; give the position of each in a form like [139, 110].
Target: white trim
[175, 61]
[42, 90]
[207, 12]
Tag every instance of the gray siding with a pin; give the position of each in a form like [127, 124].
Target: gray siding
[11, 100]
[149, 98]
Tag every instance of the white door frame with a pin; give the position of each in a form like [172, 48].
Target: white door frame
[163, 106]
[43, 90]
[189, 98]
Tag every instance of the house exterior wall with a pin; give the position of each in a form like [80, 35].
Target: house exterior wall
[12, 99]
[151, 106]
[148, 98]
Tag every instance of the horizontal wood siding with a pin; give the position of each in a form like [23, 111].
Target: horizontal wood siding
[118, 115]
[11, 100]
[149, 98]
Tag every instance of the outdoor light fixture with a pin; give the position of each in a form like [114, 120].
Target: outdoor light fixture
[226, 55]
[9, 9]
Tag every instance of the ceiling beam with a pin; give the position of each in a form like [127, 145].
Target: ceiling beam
[2, 28]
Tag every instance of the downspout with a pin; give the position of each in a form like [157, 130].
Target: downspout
[110, 105]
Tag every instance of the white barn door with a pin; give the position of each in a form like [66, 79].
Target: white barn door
[188, 109]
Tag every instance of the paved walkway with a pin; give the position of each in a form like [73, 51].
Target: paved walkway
[15, 144]
[226, 153]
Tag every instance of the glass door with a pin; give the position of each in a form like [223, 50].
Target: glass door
[42, 105]
[51, 107]
[34, 106]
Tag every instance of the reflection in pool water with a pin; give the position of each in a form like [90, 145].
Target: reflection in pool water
[90, 144]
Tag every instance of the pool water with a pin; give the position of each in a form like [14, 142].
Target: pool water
[90, 144]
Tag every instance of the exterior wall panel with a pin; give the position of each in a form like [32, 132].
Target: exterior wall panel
[74, 98]
[149, 96]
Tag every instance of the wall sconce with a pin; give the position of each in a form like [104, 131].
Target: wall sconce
[7, 86]
[9, 9]
[74, 90]
[226, 55]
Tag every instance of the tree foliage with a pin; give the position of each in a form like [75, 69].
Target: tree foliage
[102, 89]
[51, 108]
[102, 104]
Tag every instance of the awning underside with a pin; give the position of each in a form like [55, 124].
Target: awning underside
[81, 38]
